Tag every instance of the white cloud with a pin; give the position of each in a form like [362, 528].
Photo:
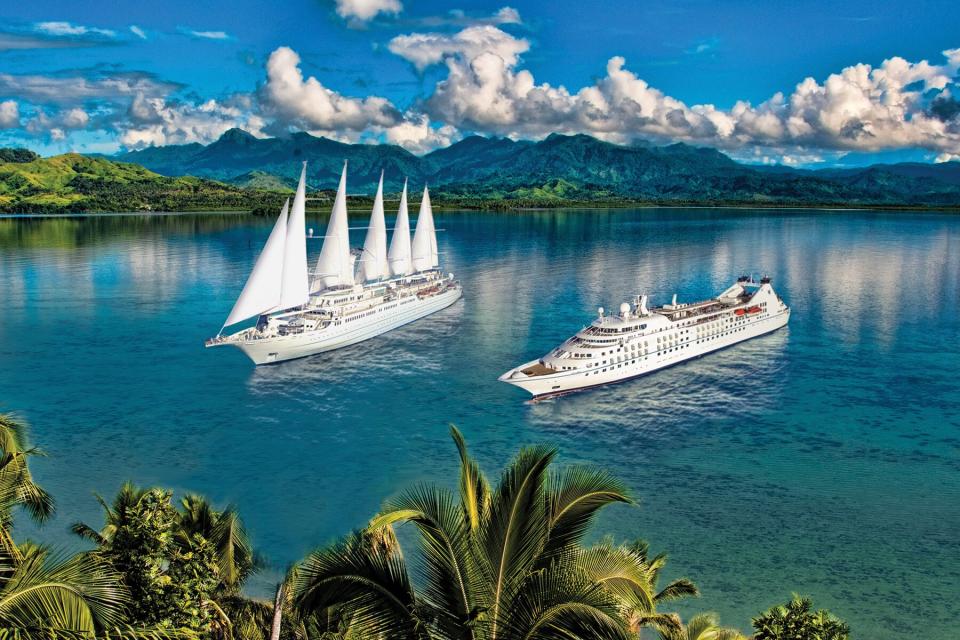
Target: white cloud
[364, 10]
[947, 157]
[9, 114]
[415, 134]
[72, 89]
[859, 108]
[459, 18]
[137, 31]
[209, 35]
[157, 122]
[56, 126]
[894, 105]
[204, 34]
[62, 28]
[425, 49]
[307, 104]
[507, 15]
[75, 118]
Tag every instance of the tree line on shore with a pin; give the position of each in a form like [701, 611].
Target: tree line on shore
[504, 561]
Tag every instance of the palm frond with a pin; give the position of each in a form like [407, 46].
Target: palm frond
[559, 603]
[680, 588]
[369, 583]
[77, 593]
[574, 497]
[234, 551]
[14, 434]
[87, 533]
[447, 575]
[703, 626]
[117, 633]
[515, 532]
[623, 573]
[474, 489]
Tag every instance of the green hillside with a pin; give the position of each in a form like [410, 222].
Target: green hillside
[561, 169]
[241, 172]
[73, 183]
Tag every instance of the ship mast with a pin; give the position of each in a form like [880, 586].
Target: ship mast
[334, 266]
[373, 260]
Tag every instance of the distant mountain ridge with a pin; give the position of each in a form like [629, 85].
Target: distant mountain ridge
[558, 168]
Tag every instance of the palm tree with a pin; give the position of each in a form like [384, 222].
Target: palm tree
[17, 488]
[496, 563]
[704, 626]
[74, 595]
[797, 619]
[632, 575]
[115, 515]
[225, 531]
[197, 524]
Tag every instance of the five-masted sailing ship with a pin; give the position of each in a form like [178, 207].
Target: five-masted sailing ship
[351, 296]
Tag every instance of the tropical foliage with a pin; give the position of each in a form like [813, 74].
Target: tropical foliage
[44, 594]
[72, 183]
[504, 560]
[183, 568]
[796, 620]
[704, 626]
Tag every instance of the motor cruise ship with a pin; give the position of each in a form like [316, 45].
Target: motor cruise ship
[351, 295]
[641, 340]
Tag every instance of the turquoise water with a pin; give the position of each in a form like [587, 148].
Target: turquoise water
[823, 459]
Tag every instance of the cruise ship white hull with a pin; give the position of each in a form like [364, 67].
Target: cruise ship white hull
[267, 350]
[547, 377]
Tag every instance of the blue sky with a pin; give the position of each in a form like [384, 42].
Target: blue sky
[101, 76]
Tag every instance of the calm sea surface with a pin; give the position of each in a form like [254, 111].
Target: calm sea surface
[823, 459]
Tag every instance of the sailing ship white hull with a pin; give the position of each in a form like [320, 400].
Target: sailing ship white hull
[341, 307]
[268, 350]
[548, 377]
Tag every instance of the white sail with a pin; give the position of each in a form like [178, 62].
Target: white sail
[399, 256]
[424, 247]
[262, 291]
[295, 288]
[373, 260]
[334, 266]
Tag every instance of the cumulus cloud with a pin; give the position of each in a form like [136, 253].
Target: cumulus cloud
[307, 104]
[425, 49]
[157, 121]
[897, 104]
[415, 134]
[9, 114]
[58, 124]
[364, 10]
[62, 28]
[860, 108]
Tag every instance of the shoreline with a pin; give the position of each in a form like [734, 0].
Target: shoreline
[573, 206]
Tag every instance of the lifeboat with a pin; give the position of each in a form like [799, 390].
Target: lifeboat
[739, 312]
[753, 310]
